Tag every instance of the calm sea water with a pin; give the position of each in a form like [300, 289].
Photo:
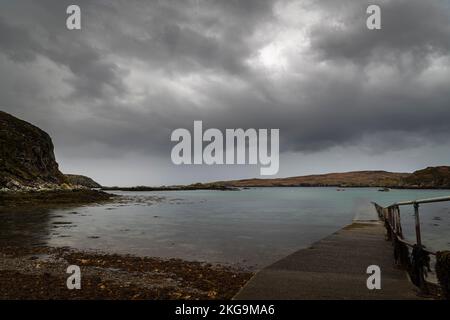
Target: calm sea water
[253, 227]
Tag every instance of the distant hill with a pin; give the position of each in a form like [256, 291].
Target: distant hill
[79, 180]
[27, 162]
[431, 177]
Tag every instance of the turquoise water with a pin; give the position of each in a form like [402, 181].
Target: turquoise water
[253, 227]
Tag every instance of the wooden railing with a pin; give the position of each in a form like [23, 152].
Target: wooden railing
[414, 257]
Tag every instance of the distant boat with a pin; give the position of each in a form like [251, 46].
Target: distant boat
[384, 190]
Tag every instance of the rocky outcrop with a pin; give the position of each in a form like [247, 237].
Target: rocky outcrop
[27, 160]
[79, 180]
[429, 178]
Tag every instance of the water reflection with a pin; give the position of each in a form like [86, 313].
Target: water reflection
[253, 227]
[25, 227]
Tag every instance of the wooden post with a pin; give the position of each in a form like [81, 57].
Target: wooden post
[422, 282]
[416, 216]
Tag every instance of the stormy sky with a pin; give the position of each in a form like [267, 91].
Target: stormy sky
[344, 97]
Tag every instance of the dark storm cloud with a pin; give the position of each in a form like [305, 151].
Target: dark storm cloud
[44, 35]
[184, 36]
[139, 69]
[412, 103]
[410, 26]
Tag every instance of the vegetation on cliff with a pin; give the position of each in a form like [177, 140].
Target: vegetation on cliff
[27, 160]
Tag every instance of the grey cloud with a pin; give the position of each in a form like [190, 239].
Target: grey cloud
[408, 26]
[92, 73]
[187, 36]
[139, 69]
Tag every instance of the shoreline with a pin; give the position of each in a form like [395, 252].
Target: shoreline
[54, 198]
[173, 188]
[240, 188]
[40, 273]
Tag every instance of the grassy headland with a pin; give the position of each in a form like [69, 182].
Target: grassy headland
[429, 178]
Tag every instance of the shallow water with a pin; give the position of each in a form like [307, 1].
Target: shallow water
[253, 227]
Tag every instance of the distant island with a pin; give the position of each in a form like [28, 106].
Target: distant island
[429, 178]
[194, 186]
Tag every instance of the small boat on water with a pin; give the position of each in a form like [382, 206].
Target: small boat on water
[384, 190]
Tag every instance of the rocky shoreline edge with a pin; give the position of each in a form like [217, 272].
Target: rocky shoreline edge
[40, 273]
[74, 197]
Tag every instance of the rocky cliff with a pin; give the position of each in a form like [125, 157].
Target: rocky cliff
[27, 160]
